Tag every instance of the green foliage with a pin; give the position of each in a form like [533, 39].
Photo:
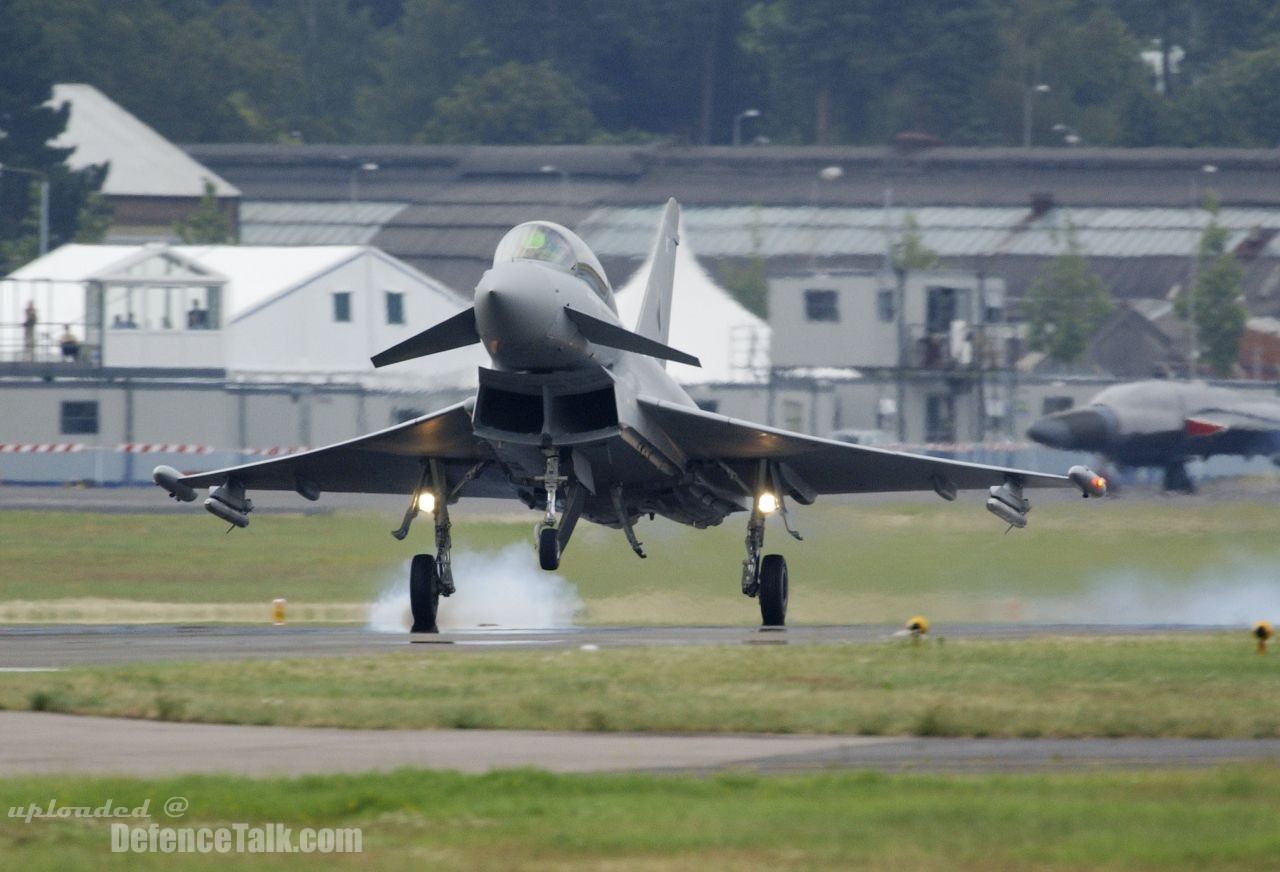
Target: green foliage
[748, 280]
[909, 251]
[679, 71]
[514, 104]
[28, 125]
[1187, 685]
[94, 219]
[207, 224]
[1219, 819]
[1066, 304]
[1216, 300]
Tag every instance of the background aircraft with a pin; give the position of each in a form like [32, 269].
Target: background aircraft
[579, 419]
[1165, 424]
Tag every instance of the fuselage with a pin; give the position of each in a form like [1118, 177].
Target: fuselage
[552, 389]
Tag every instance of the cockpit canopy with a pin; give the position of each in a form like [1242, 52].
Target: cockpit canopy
[557, 246]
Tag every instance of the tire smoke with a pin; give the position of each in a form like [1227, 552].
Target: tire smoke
[498, 589]
[1235, 595]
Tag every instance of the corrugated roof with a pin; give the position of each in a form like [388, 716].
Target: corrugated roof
[294, 223]
[961, 232]
[142, 162]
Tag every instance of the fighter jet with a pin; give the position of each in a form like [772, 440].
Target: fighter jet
[578, 419]
[1165, 424]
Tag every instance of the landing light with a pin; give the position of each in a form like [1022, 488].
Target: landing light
[426, 501]
[767, 503]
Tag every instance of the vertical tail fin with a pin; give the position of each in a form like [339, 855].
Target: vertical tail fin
[655, 311]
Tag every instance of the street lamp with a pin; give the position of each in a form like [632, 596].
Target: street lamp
[366, 167]
[44, 201]
[1028, 93]
[1193, 338]
[564, 180]
[737, 123]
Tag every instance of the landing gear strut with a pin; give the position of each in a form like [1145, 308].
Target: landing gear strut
[1177, 479]
[430, 575]
[552, 535]
[765, 577]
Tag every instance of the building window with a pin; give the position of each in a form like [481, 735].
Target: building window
[342, 307]
[885, 305]
[820, 305]
[395, 307]
[1056, 404]
[79, 418]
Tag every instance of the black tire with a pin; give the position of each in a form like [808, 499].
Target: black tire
[424, 593]
[773, 590]
[548, 548]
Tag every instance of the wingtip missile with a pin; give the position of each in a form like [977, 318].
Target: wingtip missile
[1090, 483]
[171, 480]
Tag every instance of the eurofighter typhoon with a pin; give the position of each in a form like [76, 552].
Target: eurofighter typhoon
[578, 419]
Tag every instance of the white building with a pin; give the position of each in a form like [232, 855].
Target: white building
[310, 313]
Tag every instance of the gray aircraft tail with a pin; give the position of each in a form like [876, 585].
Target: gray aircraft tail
[655, 312]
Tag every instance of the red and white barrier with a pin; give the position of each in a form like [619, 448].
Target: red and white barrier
[41, 447]
[163, 448]
[277, 451]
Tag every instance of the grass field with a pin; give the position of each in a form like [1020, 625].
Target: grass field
[1210, 820]
[880, 562]
[1205, 686]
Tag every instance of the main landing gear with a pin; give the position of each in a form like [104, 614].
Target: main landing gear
[766, 577]
[430, 575]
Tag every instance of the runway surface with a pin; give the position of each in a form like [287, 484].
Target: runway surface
[42, 647]
[39, 743]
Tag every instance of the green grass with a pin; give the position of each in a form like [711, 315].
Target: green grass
[1211, 820]
[858, 563]
[1204, 686]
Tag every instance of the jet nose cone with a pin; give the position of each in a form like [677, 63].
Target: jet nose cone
[1050, 431]
[1081, 429]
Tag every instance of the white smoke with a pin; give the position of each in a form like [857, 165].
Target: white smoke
[502, 589]
[1236, 594]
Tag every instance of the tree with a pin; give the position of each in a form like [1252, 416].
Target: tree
[208, 224]
[1066, 304]
[909, 251]
[514, 104]
[1215, 306]
[27, 125]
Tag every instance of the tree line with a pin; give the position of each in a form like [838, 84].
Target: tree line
[979, 72]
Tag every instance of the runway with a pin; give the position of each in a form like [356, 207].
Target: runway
[40, 743]
[45, 647]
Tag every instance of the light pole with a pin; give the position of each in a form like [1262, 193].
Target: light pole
[44, 201]
[1193, 276]
[737, 123]
[1028, 99]
[366, 167]
[564, 181]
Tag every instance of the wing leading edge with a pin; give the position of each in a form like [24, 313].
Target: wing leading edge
[827, 466]
[389, 461]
